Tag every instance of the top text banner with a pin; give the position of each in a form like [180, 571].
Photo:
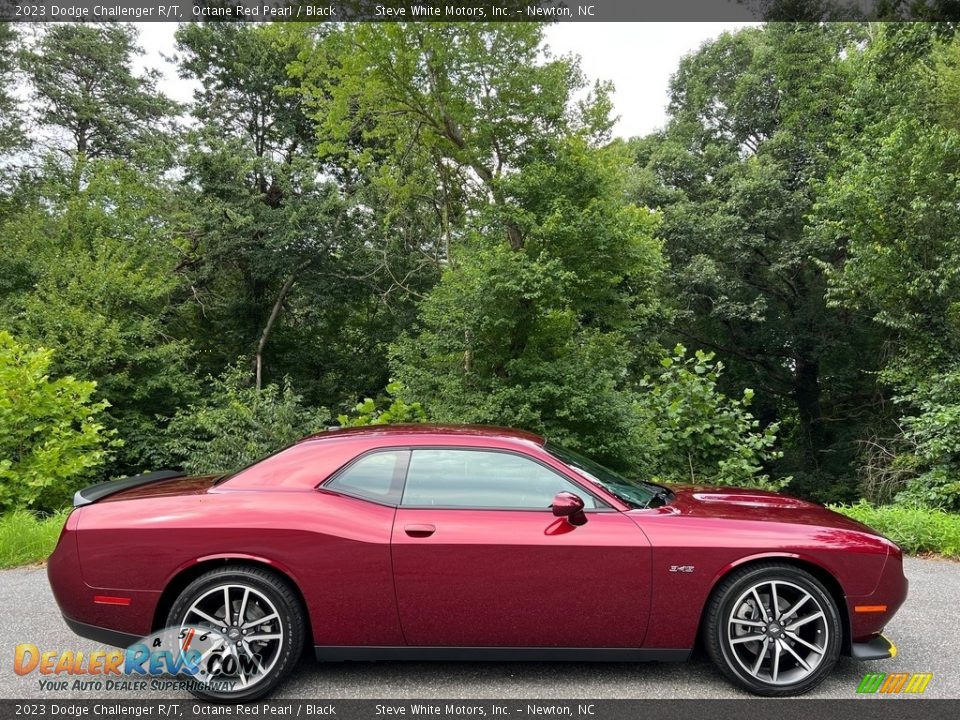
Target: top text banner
[474, 10]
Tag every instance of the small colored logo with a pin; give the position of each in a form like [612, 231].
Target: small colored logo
[203, 656]
[894, 683]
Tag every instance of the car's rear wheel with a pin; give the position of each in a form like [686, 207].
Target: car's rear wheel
[256, 626]
[773, 629]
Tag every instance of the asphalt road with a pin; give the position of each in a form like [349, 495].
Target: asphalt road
[925, 630]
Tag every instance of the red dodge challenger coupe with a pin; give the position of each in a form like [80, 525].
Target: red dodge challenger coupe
[469, 543]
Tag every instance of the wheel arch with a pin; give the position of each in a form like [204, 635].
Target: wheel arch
[829, 581]
[185, 575]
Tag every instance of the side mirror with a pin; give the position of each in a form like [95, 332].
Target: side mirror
[570, 506]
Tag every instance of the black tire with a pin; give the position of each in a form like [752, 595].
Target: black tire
[730, 644]
[272, 590]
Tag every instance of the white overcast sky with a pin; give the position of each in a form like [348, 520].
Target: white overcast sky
[638, 57]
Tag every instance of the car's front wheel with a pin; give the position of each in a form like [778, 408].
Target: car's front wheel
[773, 629]
[252, 626]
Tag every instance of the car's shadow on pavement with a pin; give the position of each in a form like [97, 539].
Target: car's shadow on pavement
[696, 678]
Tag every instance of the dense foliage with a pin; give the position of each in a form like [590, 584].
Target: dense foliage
[235, 424]
[391, 409]
[51, 438]
[689, 431]
[409, 222]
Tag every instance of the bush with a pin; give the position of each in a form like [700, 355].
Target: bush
[26, 538]
[914, 529]
[689, 431]
[237, 424]
[50, 437]
[391, 409]
[931, 430]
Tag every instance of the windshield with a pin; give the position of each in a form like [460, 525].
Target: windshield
[635, 493]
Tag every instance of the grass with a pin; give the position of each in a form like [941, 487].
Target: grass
[26, 539]
[915, 530]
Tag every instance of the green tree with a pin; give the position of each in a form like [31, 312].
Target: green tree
[11, 130]
[236, 424]
[51, 437]
[98, 280]
[425, 109]
[548, 273]
[544, 337]
[734, 175]
[91, 266]
[282, 261]
[690, 431]
[890, 204]
[929, 460]
[88, 96]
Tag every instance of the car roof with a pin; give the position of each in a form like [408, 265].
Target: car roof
[491, 432]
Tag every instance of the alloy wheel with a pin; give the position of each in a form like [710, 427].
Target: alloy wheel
[778, 632]
[250, 630]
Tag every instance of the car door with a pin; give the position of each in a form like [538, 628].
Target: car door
[481, 561]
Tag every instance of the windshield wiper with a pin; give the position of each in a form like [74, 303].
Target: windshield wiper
[662, 495]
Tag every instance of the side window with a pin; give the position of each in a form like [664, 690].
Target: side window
[377, 477]
[483, 479]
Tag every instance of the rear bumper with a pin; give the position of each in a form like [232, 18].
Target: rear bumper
[102, 635]
[877, 648]
[87, 607]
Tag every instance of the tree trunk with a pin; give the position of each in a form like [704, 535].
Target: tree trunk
[806, 393]
[274, 313]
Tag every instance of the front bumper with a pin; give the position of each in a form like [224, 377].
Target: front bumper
[870, 614]
[876, 648]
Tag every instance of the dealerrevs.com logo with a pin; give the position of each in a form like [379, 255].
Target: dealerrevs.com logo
[200, 656]
[894, 683]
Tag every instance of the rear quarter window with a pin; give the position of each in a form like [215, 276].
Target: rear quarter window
[376, 476]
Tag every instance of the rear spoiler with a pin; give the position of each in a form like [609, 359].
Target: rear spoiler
[101, 490]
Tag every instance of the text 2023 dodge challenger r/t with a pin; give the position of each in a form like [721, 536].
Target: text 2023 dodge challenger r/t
[429, 542]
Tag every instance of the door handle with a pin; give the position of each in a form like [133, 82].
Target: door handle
[420, 531]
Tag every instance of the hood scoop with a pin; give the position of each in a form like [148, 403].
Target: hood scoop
[748, 499]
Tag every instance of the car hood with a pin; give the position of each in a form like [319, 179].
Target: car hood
[762, 505]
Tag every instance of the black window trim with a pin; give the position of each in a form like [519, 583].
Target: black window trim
[397, 482]
[604, 507]
[403, 469]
